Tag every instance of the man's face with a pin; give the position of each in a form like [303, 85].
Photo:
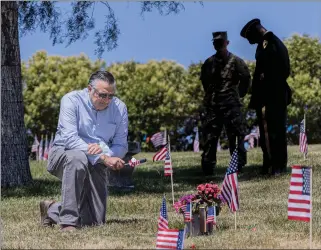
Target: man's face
[253, 37]
[101, 95]
[220, 44]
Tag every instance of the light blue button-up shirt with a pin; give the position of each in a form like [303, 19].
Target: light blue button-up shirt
[79, 124]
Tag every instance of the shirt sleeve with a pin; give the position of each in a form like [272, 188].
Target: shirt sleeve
[68, 125]
[119, 146]
[94, 159]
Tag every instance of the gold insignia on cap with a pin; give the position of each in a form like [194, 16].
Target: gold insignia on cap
[265, 43]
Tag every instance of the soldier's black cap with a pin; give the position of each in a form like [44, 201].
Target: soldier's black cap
[249, 26]
[219, 35]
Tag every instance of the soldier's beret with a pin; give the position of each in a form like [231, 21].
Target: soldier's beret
[249, 25]
[219, 35]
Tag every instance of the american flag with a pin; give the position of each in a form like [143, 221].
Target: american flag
[161, 154]
[170, 239]
[196, 143]
[303, 139]
[168, 170]
[46, 151]
[51, 142]
[133, 162]
[159, 139]
[188, 212]
[211, 215]
[162, 220]
[183, 207]
[299, 202]
[230, 184]
[35, 145]
[41, 150]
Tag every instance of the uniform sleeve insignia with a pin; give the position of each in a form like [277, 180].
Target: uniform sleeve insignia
[265, 43]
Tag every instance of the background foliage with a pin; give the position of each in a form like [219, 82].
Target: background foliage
[162, 94]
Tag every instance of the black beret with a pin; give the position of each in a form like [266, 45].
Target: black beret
[249, 25]
[219, 35]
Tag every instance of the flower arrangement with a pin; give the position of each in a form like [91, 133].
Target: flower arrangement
[208, 194]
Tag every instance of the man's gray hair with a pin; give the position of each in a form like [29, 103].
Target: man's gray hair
[102, 76]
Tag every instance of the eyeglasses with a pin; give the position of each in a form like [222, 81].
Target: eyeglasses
[103, 95]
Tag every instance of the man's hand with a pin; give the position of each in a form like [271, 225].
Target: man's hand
[114, 163]
[94, 149]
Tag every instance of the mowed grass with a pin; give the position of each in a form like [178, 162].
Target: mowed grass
[132, 217]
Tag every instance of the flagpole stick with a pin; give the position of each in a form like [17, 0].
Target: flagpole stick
[172, 187]
[304, 155]
[172, 182]
[311, 208]
[235, 219]
[191, 218]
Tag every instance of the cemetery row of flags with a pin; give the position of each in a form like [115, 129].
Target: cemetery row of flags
[160, 139]
[42, 148]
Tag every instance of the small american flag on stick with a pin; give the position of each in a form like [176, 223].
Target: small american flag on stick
[161, 154]
[230, 191]
[159, 139]
[35, 145]
[303, 139]
[188, 212]
[163, 219]
[168, 170]
[210, 214]
[299, 202]
[170, 239]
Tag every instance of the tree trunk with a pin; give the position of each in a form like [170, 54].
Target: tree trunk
[15, 170]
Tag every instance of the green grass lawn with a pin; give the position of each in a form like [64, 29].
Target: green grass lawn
[132, 217]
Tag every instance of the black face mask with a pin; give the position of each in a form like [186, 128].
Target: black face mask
[218, 44]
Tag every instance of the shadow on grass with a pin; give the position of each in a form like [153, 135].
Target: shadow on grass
[124, 221]
[146, 181]
[151, 181]
[39, 187]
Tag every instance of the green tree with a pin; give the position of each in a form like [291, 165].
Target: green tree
[305, 82]
[47, 79]
[67, 29]
[194, 89]
[153, 92]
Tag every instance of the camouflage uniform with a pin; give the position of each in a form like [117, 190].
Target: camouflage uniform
[225, 81]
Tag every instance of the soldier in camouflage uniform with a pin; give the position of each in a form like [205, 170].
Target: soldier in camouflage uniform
[225, 79]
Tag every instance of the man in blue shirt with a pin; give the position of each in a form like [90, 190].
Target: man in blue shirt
[91, 136]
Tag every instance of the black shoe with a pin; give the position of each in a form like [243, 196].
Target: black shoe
[208, 172]
[208, 168]
[264, 171]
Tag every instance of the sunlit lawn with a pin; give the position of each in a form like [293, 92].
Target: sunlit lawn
[132, 217]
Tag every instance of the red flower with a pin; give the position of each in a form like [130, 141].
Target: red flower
[201, 187]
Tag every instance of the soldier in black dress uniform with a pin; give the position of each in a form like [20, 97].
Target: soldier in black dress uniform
[270, 94]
